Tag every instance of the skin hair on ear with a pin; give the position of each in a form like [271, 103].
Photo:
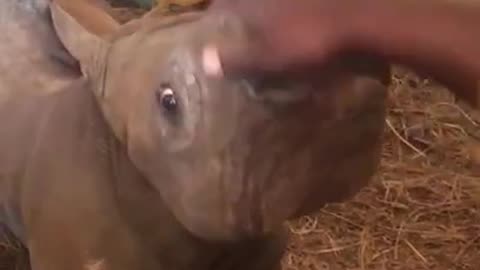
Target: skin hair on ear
[84, 44]
[90, 15]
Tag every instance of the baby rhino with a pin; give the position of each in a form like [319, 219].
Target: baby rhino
[145, 163]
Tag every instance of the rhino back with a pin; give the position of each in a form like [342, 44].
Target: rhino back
[32, 58]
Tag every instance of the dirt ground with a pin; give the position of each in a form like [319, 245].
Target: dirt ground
[422, 210]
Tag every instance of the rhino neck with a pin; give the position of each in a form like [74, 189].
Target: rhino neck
[33, 59]
[41, 132]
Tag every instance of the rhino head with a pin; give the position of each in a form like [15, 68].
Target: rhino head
[231, 158]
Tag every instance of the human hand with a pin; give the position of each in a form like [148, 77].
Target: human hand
[282, 35]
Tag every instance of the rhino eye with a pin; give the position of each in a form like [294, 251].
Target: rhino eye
[166, 97]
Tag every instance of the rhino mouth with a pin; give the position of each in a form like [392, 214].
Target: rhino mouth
[278, 92]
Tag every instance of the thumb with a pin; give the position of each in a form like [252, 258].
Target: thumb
[240, 59]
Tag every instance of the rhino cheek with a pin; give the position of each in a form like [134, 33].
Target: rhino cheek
[190, 186]
[196, 195]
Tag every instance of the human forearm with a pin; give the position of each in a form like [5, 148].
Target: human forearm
[439, 39]
[434, 37]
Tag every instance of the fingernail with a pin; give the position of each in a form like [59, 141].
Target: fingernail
[211, 63]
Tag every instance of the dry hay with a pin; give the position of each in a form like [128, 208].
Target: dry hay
[421, 212]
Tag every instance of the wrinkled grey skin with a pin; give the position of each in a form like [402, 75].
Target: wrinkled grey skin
[96, 174]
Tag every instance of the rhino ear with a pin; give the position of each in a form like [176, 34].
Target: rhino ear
[83, 29]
